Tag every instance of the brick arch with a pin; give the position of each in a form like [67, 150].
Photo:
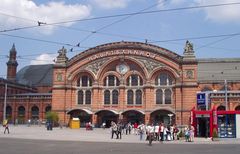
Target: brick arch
[77, 75]
[117, 60]
[101, 80]
[168, 70]
[206, 88]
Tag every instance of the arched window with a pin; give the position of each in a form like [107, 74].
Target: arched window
[8, 111]
[129, 97]
[163, 79]
[84, 81]
[159, 96]
[115, 97]
[134, 80]
[106, 97]
[21, 111]
[138, 97]
[223, 88]
[168, 96]
[237, 108]
[35, 112]
[221, 108]
[80, 97]
[88, 97]
[48, 109]
[111, 80]
[206, 89]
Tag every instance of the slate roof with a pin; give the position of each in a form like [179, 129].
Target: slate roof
[36, 75]
[218, 69]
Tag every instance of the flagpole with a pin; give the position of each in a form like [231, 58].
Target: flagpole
[5, 103]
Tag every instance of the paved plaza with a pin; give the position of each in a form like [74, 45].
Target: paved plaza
[97, 135]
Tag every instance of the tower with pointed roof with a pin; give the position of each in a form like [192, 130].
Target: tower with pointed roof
[12, 64]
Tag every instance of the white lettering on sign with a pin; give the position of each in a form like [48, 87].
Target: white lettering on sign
[122, 52]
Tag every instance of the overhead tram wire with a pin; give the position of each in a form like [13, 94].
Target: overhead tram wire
[41, 40]
[126, 14]
[196, 38]
[120, 20]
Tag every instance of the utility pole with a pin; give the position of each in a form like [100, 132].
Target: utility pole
[226, 100]
[5, 103]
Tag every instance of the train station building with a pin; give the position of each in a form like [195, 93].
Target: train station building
[127, 81]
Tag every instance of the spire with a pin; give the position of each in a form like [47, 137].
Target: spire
[13, 49]
[12, 64]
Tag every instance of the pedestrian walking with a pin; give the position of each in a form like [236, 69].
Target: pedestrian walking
[6, 127]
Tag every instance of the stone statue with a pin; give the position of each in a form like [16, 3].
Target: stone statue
[188, 47]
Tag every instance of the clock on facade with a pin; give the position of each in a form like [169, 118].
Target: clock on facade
[122, 68]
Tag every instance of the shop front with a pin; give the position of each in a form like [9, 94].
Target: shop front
[227, 123]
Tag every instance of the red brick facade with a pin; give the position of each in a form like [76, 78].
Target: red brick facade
[142, 60]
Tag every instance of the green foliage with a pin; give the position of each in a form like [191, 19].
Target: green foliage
[52, 116]
[181, 134]
[215, 134]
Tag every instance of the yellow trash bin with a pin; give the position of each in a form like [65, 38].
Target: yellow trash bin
[75, 123]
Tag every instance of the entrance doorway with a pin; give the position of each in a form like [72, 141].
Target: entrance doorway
[133, 116]
[203, 127]
[83, 116]
[107, 117]
[162, 116]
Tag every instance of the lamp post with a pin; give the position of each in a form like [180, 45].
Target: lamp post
[170, 118]
[5, 103]
[225, 89]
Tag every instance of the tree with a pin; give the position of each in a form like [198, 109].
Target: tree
[52, 117]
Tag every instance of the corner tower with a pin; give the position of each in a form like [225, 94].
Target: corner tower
[12, 64]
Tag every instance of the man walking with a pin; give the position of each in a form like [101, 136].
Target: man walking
[6, 127]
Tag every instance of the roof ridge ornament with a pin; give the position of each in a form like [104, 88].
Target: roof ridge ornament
[62, 57]
[188, 51]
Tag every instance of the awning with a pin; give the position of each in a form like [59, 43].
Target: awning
[86, 110]
[113, 111]
[140, 111]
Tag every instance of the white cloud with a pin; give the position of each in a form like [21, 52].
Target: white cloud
[43, 59]
[50, 12]
[111, 4]
[221, 14]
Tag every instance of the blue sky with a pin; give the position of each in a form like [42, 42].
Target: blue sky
[161, 26]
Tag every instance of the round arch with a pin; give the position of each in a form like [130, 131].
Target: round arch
[21, 114]
[237, 108]
[169, 70]
[85, 115]
[133, 116]
[106, 116]
[75, 76]
[221, 108]
[117, 60]
[9, 113]
[35, 113]
[165, 116]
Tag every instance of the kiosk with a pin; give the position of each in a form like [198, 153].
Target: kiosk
[75, 123]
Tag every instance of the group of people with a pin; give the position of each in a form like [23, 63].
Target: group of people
[189, 133]
[158, 132]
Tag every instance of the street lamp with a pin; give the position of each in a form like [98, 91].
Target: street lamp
[225, 89]
[170, 118]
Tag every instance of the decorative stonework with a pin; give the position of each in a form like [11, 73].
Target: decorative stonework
[95, 66]
[62, 57]
[149, 64]
[189, 74]
[59, 77]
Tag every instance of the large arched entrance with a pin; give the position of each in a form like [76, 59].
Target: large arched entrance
[21, 115]
[106, 116]
[162, 116]
[133, 116]
[84, 115]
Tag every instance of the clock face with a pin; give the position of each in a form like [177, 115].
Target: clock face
[122, 68]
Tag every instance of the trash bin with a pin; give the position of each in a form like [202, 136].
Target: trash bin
[75, 123]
